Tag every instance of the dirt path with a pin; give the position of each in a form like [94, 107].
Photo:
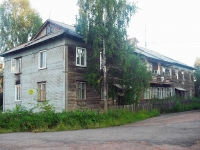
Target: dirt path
[178, 131]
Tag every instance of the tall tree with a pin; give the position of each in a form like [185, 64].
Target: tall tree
[18, 23]
[197, 77]
[103, 26]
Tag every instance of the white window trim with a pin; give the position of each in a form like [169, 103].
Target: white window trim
[39, 57]
[85, 58]
[20, 92]
[81, 91]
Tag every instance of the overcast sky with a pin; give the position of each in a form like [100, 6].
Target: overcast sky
[172, 26]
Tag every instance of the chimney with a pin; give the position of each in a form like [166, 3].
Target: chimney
[134, 41]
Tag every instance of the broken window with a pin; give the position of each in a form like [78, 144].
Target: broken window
[16, 65]
[18, 92]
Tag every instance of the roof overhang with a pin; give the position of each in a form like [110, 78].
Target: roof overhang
[180, 89]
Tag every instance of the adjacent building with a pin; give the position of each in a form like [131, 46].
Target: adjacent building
[170, 77]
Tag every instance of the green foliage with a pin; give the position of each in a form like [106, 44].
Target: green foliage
[179, 106]
[1, 101]
[107, 20]
[18, 23]
[20, 119]
[197, 82]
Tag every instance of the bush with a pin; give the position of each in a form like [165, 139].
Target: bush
[20, 119]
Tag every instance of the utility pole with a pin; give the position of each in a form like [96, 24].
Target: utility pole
[145, 37]
[104, 68]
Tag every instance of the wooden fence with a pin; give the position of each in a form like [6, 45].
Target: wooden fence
[135, 107]
[161, 105]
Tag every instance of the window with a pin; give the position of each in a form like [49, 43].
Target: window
[170, 92]
[149, 67]
[176, 73]
[183, 78]
[41, 91]
[49, 29]
[80, 56]
[190, 79]
[16, 65]
[102, 91]
[162, 70]
[18, 92]
[42, 60]
[81, 89]
[158, 93]
[147, 94]
[190, 92]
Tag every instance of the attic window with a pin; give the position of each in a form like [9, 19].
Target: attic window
[49, 29]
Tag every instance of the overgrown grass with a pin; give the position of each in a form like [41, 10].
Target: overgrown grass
[181, 104]
[20, 119]
[193, 105]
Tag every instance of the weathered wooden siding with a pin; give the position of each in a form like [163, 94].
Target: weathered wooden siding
[53, 75]
[75, 73]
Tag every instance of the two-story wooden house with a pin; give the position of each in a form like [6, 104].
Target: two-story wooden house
[170, 77]
[51, 66]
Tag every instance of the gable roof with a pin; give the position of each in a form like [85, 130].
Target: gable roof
[66, 29]
[157, 56]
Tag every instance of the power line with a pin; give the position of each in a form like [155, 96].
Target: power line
[172, 42]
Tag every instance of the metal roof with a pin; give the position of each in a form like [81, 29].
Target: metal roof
[155, 55]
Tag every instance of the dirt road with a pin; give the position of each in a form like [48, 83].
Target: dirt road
[178, 131]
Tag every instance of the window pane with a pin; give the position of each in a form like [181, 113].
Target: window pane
[41, 59]
[78, 57]
[79, 90]
[44, 60]
[82, 57]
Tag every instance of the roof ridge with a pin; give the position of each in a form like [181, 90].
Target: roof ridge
[59, 22]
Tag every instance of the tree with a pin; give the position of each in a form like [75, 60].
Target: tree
[18, 23]
[197, 77]
[103, 26]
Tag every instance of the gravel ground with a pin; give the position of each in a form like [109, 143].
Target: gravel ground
[178, 131]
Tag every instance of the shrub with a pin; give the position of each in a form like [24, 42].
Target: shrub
[20, 119]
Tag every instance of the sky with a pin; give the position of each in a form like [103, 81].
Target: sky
[172, 26]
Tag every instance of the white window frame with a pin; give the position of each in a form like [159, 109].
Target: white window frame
[41, 91]
[16, 65]
[81, 90]
[79, 50]
[42, 64]
[18, 92]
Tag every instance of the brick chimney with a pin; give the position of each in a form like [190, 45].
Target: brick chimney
[134, 41]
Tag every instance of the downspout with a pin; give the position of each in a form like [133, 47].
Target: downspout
[65, 100]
